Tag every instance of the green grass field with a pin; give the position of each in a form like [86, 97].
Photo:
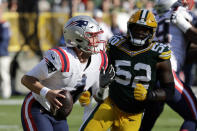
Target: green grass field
[10, 119]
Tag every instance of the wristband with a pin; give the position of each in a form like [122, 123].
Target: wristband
[44, 91]
[100, 93]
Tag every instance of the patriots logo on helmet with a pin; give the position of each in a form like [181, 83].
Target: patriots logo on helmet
[78, 23]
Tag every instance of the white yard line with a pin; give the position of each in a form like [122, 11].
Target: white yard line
[20, 101]
[11, 102]
[9, 126]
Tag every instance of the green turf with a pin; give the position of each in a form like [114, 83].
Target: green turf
[15, 97]
[168, 121]
[10, 119]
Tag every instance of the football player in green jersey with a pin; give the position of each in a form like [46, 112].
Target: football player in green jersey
[139, 63]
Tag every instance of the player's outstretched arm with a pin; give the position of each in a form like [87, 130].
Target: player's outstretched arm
[182, 19]
[165, 77]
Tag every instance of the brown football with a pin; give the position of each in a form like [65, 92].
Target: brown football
[67, 105]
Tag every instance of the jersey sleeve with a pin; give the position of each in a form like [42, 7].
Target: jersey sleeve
[163, 51]
[114, 41]
[52, 60]
[47, 66]
[104, 60]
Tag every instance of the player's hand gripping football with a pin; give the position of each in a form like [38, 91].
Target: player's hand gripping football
[52, 96]
[84, 98]
[106, 77]
[66, 108]
[140, 92]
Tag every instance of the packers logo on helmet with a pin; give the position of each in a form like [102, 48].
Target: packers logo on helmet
[141, 27]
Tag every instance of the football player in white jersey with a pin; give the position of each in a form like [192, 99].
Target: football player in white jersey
[172, 31]
[75, 65]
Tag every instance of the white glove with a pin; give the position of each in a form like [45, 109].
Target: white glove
[182, 19]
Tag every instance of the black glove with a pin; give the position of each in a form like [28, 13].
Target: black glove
[106, 77]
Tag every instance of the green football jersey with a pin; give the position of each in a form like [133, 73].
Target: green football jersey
[133, 67]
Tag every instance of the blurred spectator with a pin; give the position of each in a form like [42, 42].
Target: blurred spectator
[130, 6]
[98, 16]
[62, 7]
[117, 5]
[89, 6]
[114, 25]
[98, 3]
[5, 81]
[139, 4]
[4, 4]
[12, 5]
[44, 6]
[149, 5]
[78, 6]
[105, 7]
[122, 21]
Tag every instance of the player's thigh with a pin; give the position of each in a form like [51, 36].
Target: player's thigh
[128, 123]
[32, 117]
[100, 119]
[184, 101]
[151, 114]
[61, 125]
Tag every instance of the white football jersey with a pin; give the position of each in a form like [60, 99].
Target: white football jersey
[61, 68]
[169, 33]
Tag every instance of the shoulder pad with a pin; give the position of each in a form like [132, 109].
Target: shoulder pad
[115, 40]
[53, 58]
[162, 50]
[59, 59]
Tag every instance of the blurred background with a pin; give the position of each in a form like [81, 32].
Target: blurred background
[35, 26]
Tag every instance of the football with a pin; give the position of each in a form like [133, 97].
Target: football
[67, 105]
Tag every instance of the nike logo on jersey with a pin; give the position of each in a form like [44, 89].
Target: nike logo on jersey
[50, 66]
